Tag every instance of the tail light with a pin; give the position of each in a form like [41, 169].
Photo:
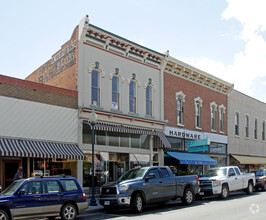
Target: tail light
[197, 178]
[84, 196]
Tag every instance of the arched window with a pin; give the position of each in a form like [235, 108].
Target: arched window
[95, 88]
[180, 110]
[149, 100]
[256, 129]
[221, 117]
[263, 130]
[198, 104]
[237, 123]
[115, 92]
[213, 107]
[132, 96]
[247, 126]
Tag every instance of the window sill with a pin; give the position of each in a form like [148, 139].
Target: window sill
[133, 114]
[213, 131]
[198, 128]
[247, 138]
[96, 107]
[222, 132]
[237, 136]
[116, 110]
[149, 116]
[180, 125]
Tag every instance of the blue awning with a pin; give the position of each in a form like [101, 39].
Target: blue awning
[190, 158]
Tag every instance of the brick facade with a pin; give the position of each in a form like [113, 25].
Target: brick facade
[173, 84]
[62, 69]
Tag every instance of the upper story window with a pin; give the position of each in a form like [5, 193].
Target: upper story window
[237, 123]
[263, 130]
[256, 129]
[95, 87]
[180, 99]
[221, 117]
[213, 107]
[247, 126]
[198, 104]
[132, 96]
[115, 92]
[149, 99]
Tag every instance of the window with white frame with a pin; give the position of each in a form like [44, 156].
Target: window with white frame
[256, 128]
[221, 117]
[213, 107]
[180, 99]
[247, 126]
[198, 104]
[237, 123]
[95, 87]
[132, 96]
[263, 130]
[115, 92]
[149, 99]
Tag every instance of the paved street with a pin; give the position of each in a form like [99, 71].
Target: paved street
[238, 206]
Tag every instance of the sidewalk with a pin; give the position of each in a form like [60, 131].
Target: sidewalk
[98, 208]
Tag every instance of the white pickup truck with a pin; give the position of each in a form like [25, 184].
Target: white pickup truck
[223, 180]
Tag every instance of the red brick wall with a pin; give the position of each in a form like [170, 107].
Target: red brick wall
[173, 84]
[63, 72]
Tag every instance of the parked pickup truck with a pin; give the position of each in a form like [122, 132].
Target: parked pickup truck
[142, 186]
[221, 181]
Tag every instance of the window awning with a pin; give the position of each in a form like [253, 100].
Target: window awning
[191, 158]
[250, 159]
[39, 149]
[160, 141]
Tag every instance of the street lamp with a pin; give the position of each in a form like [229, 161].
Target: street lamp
[93, 121]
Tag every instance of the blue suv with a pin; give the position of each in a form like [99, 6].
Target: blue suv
[43, 197]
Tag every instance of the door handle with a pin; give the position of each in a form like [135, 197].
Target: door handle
[60, 194]
[160, 181]
[37, 197]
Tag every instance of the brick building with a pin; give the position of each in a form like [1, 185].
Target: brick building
[195, 105]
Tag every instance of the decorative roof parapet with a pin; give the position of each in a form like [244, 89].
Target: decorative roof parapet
[103, 39]
[185, 71]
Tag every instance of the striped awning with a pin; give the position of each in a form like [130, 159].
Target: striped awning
[160, 141]
[39, 149]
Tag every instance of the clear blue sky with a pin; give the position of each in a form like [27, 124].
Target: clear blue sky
[225, 38]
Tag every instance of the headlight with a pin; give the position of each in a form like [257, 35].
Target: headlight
[123, 188]
[216, 183]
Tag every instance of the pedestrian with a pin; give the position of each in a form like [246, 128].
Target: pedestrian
[19, 174]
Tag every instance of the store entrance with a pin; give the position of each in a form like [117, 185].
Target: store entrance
[10, 168]
[116, 169]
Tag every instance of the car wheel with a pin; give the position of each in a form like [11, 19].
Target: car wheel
[137, 203]
[188, 197]
[225, 192]
[250, 188]
[3, 215]
[68, 212]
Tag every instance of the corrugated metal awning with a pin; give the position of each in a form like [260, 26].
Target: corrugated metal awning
[160, 141]
[250, 159]
[39, 149]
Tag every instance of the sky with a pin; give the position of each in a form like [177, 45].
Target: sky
[225, 38]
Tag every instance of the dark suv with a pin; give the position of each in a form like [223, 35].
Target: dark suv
[43, 197]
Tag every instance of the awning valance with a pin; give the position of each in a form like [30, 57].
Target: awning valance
[191, 158]
[39, 149]
[250, 159]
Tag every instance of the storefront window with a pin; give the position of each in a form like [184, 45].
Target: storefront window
[124, 140]
[145, 139]
[217, 148]
[135, 140]
[86, 133]
[101, 137]
[221, 162]
[113, 138]
[176, 143]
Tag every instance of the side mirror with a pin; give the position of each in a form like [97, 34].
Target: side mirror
[21, 192]
[151, 176]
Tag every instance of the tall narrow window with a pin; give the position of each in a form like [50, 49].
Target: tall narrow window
[95, 88]
[132, 96]
[237, 123]
[197, 114]
[115, 92]
[263, 130]
[256, 129]
[149, 100]
[221, 119]
[247, 126]
[179, 110]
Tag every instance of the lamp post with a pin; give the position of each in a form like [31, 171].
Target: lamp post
[93, 121]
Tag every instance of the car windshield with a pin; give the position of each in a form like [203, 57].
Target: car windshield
[133, 174]
[215, 172]
[260, 173]
[12, 188]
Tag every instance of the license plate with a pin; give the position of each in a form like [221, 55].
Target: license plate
[201, 193]
[106, 202]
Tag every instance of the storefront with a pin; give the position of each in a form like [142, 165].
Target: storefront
[119, 148]
[183, 162]
[37, 158]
